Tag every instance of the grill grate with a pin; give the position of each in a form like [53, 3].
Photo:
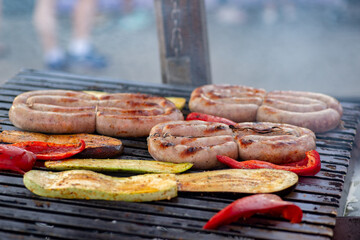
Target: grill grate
[22, 214]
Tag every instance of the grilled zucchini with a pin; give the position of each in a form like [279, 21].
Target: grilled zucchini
[116, 165]
[84, 184]
[248, 181]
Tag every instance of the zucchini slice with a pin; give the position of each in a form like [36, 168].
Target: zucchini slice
[115, 165]
[248, 181]
[84, 184]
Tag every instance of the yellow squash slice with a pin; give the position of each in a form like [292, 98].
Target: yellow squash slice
[96, 93]
[179, 102]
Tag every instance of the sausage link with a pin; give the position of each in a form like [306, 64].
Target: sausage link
[238, 103]
[60, 101]
[61, 111]
[315, 111]
[135, 118]
[38, 111]
[196, 142]
[273, 142]
[52, 121]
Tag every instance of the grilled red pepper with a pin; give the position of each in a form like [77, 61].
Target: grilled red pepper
[208, 118]
[260, 203]
[309, 166]
[51, 151]
[16, 159]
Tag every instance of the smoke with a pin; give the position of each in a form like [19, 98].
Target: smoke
[288, 47]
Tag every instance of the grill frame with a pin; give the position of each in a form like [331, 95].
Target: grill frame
[22, 214]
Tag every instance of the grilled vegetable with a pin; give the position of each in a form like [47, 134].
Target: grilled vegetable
[96, 93]
[97, 146]
[238, 181]
[16, 159]
[84, 184]
[208, 118]
[51, 151]
[115, 165]
[179, 102]
[309, 166]
[260, 203]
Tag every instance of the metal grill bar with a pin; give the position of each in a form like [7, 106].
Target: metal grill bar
[24, 214]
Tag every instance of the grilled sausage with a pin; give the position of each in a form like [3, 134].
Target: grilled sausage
[315, 111]
[238, 103]
[61, 111]
[197, 142]
[273, 142]
[133, 115]
[48, 111]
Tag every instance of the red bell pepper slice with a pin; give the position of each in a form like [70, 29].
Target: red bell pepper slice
[260, 203]
[309, 166]
[208, 118]
[51, 151]
[16, 159]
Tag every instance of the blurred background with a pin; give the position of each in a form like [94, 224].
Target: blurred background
[310, 45]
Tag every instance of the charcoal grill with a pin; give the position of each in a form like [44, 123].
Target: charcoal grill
[24, 215]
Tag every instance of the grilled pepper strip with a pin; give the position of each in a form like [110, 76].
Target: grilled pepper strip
[208, 118]
[16, 159]
[260, 203]
[51, 151]
[309, 166]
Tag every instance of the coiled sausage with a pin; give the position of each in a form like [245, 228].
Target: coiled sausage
[63, 111]
[54, 111]
[237, 103]
[133, 114]
[316, 111]
[197, 142]
[273, 142]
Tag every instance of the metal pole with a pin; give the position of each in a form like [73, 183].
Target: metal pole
[183, 42]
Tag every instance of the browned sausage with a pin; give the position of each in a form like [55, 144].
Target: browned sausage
[197, 142]
[315, 111]
[328, 100]
[46, 111]
[59, 101]
[61, 111]
[298, 104]
[133, 114]
[238, 103]
[273, 142]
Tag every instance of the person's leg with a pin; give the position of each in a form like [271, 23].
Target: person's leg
[45, 22]
[80, 48]
[83, 20]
